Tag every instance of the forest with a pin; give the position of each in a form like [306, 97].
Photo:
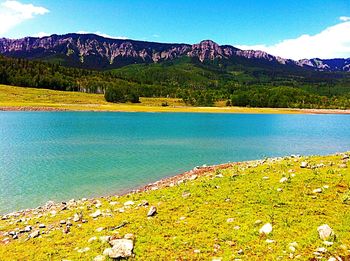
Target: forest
[198, 84]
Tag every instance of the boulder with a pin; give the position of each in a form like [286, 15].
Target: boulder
[121, 248]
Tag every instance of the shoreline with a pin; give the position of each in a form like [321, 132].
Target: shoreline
[169, 181]
[175, 109]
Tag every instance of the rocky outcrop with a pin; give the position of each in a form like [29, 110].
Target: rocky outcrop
[97, 52]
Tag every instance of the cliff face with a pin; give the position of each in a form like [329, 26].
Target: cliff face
[93, 51]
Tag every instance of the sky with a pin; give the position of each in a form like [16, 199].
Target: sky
[287, 28]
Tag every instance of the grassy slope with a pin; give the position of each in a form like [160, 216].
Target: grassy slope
[242, 194]
[11, 96]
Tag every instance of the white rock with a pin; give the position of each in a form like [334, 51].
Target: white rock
[83, 250]
[284, 179]
[96, 214]
[279, 190]
[324, 231]
[304, 164]
[99, 258]
[327, 243]
[121, 248]
[326, 187]
[292, 248]
[129, 203]
[100, 229]
[269, 241]
[91, 239]
[230, 220]
[196, 251]
[266, 229]
[104, 239]
[152, 211]
[318, 190]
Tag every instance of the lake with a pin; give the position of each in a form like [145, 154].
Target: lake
[63, 155]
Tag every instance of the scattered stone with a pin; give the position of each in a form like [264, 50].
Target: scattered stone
[152, 211]
[96, 214]
[77, 217]
[98, 205]
[104, 239]
[326, 187]
[279, 190]
[269, 241]
[257, 222]
[265, 178]
[100, 229]
[230, 220]
[284, 179]
[219, 176]
[143, 203]
[69, 224]
[66, 230]
[92, 239]
[266, 229]
[196, 251]
[113, 203]
[292, 249]
[321, 250]
[182, 218]
[186, 194]
[27, 229]
[304, 164]
[83, 250]
[327, 243]
[34, 234]
[121, 248]
[42, 226]
[99, 258]
[318, 190]
[342, 166]
[62, 222]
[236, 227]
[324, 232]
[345, 157]
[129, 203]
[240, 252]
[193, 177]
[129, 236]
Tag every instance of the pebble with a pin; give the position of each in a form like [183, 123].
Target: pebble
[27, 228]
[230, 220]
[129, 236]
[324, 231]
[196, 251]
[284, 179]
[99, 258]
[83, 250]
[240, 252]
[269, 241]
[34, 234]
[104, 239]
[42, 226]
[96, 214]
[100, 229]
[152, 211]
[129, 203]
[92, 239]
[318, 190]
[62, 222]
[279, 190]
[77, 217]
[266, 229]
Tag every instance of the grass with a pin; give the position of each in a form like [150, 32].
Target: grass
[191, 223]
[11, 96]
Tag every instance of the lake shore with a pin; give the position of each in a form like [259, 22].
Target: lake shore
[142, 108]
[225, 204]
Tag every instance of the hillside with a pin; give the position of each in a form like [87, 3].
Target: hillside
[96, 52]
[275, 209]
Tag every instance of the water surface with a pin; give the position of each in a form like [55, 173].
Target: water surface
[63, 155]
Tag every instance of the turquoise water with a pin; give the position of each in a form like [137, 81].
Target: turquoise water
[63, 155]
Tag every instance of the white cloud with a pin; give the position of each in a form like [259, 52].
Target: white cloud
[41, 34]
[103, 35]
[344, 18]
[13, 13]
[333, 42]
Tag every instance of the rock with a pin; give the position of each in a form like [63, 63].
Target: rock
[196, 251]
[342, 166]
[324, 232]
[143, 203]
[257, 222]
[292, 249]
[62, 222]
[236, 227]
[326, 187]
[193, 177]
[284, 179]
[129, 203]
[104, 239]
[83, 250]
[318, 190]
[121, 248]
[27, 229]
[240, 252]
[92, 239]
[34, 234]
[304, 164]
[113, 203]
[266, 229]
[42, 226]
[279, 190]
[96, 214]
[77, 217]
[321, 250]
[219, 176]
[152, 211]
[100, 229]
[265, 178]
[98, 205]
[269, 241]
[327, 243]
[129, 236]
[99, 258]
[186, 194]
[345, 157]
[230, 220]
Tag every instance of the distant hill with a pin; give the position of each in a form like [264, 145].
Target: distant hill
[92, 51]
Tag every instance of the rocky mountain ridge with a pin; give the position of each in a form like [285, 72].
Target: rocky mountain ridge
[97, 52]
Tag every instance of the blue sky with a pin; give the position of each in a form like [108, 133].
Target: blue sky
[245, 23]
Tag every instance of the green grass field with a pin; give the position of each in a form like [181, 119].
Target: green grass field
[14, 97]
[216, 216]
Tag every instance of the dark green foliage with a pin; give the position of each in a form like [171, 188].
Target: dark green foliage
[239, 82]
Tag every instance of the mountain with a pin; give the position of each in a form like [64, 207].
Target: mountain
[92, 51]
